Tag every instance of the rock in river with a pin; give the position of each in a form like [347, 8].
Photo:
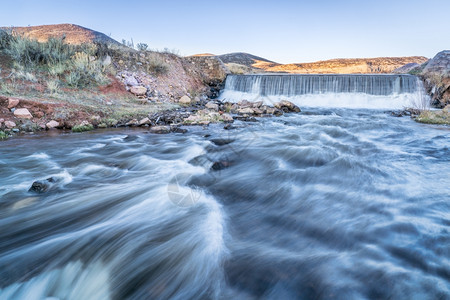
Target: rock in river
[42, 186]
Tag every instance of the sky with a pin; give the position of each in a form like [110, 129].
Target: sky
[280, 30]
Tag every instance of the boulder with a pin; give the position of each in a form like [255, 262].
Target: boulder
[185, 100]
[257, 104]
[138, 90]
[131, 81]
[179, 130]
[287, 106]
[133, 122]
[52, 124]
[257, 111]
[22, 113]
[42, 186]
[107, 60]
[227, 118]
[13, 102]
[160, 129]
[270, 110]
[220, 165]
[245, 103]
[245, 110]
[213, 106]
[144, 121]
[10, 124]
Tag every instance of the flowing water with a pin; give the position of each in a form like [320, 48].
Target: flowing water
[355, 91]
[325, 204]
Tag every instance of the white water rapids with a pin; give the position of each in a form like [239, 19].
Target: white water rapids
[330, 203]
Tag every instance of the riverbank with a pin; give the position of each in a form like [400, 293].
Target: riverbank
[25, 116]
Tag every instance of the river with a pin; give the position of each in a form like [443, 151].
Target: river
[326, 204]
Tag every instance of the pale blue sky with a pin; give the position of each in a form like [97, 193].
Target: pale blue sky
[283, 31]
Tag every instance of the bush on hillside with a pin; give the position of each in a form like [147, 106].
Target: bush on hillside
[156, 64]
[79, 65]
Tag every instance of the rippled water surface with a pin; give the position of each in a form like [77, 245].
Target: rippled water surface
[326, 204]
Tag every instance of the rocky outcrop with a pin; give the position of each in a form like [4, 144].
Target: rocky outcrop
[406, 68]
[439, 63]
[436, 77]
[211, 70]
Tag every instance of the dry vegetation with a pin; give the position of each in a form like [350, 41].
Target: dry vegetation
[78, 80]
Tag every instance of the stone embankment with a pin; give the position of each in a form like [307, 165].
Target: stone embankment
[26, 116]
[436, 77]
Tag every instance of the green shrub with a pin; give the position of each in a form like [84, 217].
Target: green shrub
[5, 38]
[29, 52]
[142, 46]
[73, 79]
[3, 135]
[53, 86]
[57, 69]
[81, 128]
[80, 65]
[434, 117]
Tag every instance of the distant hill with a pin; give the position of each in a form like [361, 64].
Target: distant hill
[247, 59]
[74, 34]
[253, 64]
[350, 65]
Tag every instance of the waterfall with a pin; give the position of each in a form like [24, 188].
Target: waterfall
[349, 90]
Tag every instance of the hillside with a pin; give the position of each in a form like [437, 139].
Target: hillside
[246, 59]
[46, 84]
[248, 63]
[349, 65]
[74, 34]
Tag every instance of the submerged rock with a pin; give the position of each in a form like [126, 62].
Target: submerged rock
[287, 106]
[160, 129]
[220, 165]
[42, 186]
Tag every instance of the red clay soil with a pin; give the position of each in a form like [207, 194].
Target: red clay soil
[115, 87]
[42, 112]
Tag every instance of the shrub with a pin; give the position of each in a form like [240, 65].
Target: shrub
[82, 127]
[3, 135]
[29, 52]
[8, 88]
[53, 86]
[4, 39]
[142, 46]
[80, 64]
[156, 64]
[85, 70]
[434, 117]
[73, 79]
[57, 69]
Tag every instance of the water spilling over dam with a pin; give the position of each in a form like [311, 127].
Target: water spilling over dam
[336, 90]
